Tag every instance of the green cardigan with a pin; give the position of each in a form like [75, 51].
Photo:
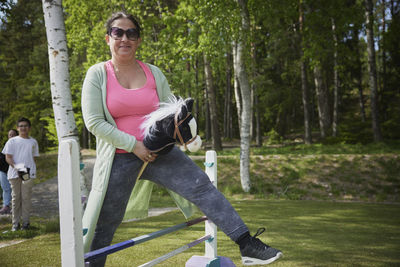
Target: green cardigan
[99, 122]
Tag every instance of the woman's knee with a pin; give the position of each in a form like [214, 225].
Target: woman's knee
[200, 188]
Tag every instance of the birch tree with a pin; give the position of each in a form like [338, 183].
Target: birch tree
[373, 83]
[246, 98]
[236, 86]
[335, 80]
[59, 75]
[304, 83]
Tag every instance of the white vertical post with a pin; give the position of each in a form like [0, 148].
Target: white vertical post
[70, 204]
[211, 228]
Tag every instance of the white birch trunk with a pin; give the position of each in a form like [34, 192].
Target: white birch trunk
[236, 85]
[246, 100]
[59, 75]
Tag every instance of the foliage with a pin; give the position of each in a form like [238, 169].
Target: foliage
[24, 72]
[273, 137]
[175, 36]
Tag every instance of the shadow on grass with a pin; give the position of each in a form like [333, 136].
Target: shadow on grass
[310, 233]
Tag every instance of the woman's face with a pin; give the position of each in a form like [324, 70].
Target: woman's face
[11, 134]
[123, 48]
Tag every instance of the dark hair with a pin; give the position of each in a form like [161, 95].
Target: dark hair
[15, 131]
[119, 15]
[25, 120]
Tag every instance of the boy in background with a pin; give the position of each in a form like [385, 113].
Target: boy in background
[20, 154]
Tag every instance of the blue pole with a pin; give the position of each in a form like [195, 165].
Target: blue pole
[141, 239]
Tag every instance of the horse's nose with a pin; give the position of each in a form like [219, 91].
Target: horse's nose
[195, 144]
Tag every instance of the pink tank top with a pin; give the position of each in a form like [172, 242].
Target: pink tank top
[129, 106]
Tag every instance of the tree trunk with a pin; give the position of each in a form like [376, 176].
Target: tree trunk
[252, 128]
[304, 83]
[207, 115]
[59, 75]
[228, 102]
[188, 86]
[216, 137]
[383, 49]
[196, 69]
[246, 98]
[256, 122]
[259, 141]
[359, 76]
[322, 98]
[236, 87]
[335, 81]
[373, 84]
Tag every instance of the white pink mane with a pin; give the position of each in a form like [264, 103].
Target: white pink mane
[166, 109]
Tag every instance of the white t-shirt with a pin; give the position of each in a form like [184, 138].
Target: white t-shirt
[22, 150]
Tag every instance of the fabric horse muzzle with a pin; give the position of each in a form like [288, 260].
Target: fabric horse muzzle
[194, 144]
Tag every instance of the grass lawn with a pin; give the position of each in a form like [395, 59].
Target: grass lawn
[301, 194]
[310, 233]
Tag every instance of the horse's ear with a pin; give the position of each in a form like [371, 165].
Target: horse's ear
[189, 104]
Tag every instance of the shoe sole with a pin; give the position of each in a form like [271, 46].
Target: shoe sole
[253, 261]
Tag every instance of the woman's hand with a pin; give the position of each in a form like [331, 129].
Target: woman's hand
[143, 153]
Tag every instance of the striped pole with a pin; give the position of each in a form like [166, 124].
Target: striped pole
[135, 241]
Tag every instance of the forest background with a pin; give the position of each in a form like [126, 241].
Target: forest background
[310, 71]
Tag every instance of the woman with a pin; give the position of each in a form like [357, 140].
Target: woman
[4, 183]
[116, 96]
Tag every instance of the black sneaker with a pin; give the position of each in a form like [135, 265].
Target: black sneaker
[256, 252]
[5, 210]
[25, 226]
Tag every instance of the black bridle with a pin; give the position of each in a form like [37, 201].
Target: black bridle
[178, 133]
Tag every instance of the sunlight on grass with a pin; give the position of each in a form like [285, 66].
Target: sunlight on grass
[310, 233]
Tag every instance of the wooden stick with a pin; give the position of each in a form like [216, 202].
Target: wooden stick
[142, 170]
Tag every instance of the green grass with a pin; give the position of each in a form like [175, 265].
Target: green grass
[39, 226]
[310, 233]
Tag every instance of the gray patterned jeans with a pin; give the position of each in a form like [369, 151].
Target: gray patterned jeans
[175, 171]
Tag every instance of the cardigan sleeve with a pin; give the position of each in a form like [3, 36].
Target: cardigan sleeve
[94, 111]
[163, 89]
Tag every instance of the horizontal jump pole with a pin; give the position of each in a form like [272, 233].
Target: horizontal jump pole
[141, 239]
[176, 251]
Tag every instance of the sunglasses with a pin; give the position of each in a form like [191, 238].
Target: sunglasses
[117, 33]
